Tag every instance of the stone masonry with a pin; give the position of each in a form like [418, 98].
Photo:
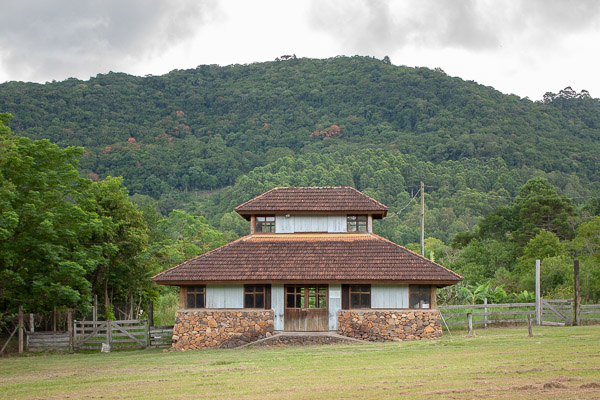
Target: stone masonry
[198, 329]
[389, 325]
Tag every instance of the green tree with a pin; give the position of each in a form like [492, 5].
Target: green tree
[46, 227]
[539, 207]
[121, 276]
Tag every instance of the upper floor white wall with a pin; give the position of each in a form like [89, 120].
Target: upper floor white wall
[310, 223]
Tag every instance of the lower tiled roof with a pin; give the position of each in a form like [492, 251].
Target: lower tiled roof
[309, 257]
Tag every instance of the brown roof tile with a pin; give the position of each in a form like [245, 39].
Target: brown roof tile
[309, 257]
[312, 199]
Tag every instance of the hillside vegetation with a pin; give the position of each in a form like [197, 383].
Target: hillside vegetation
[204, 140]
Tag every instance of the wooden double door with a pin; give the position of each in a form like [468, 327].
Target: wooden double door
[306, 308]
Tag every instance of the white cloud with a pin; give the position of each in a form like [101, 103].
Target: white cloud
[525, 47]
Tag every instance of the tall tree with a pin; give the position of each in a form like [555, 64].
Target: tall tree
[44, 226]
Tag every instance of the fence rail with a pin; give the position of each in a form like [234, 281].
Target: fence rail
[44, 341]
[122, 334]
[554, 312]
[161, 336]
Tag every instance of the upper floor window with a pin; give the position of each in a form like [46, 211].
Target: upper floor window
[265, 224]
[357, 223]
[420, 296]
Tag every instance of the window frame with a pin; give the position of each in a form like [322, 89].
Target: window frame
[347, 296]
[304, 296]
[198, 291]
[359, 221]
[421, 291]
[264, 224]
[358, 290]
[266, 292]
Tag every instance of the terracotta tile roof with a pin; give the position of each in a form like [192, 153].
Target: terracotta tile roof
[317, 199]
[309, 257]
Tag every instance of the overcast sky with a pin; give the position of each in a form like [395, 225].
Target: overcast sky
[525, 47]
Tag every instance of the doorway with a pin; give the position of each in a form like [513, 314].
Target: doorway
[306, 308]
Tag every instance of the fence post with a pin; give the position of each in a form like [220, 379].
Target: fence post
[108, 333]
[21, 329]
[576, 296]
[151, 313]
[470, 318]
[95, 309]
[529, 325]
[70, 328]
[147, 330]
[538, 294]
[485, 312]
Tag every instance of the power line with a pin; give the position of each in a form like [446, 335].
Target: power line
[407, 204]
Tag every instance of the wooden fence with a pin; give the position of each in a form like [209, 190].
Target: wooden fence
[554, 312]
[44, 341]
[503, 313]
[121, 334]
[161, 336]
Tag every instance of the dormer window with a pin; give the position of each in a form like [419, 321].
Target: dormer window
[265, 224]
[357, 223]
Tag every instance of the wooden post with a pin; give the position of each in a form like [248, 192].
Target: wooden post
[147, 332]
[131, 306]
[108, 333]
[423, 218]
[150, 313]
[70, 328]
[485, 311]
[54, 320]
[470, 317]
[21, 329]
[529, 325]
[576, 295]
[31, 323]
[95, 309]
[538, 294]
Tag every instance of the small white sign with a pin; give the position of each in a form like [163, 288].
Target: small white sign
[334, 294]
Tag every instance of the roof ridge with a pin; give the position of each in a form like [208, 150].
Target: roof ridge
[416, 255]
[295, 198]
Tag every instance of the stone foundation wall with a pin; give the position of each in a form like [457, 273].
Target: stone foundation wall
[388, 325]
[198, 329]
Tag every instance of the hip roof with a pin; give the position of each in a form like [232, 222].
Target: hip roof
[312, 199]
[309, 257]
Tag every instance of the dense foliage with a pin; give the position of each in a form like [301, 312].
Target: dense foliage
[199, 129]
[507, 180]
[64, 238]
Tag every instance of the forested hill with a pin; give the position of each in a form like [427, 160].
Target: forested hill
[201, 129]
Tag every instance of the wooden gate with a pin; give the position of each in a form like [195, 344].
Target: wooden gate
[557, 312]
[122, 334]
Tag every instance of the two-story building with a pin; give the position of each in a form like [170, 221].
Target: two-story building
[310, 263]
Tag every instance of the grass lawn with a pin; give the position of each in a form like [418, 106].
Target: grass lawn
[498, 363]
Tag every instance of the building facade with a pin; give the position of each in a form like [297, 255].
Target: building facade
[310, 263]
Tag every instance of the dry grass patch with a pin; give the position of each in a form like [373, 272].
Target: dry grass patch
[496, 363]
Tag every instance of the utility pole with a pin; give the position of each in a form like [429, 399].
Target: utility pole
[423, 218]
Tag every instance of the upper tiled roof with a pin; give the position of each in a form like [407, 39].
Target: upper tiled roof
[309, 257]
[312, 199]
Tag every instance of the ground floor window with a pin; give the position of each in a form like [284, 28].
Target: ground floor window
[356, 296]
[257, 296]
[420, 296]
[196, 296]
[306, 296]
